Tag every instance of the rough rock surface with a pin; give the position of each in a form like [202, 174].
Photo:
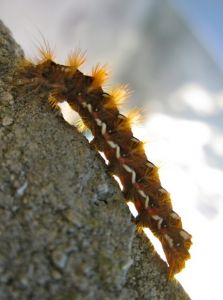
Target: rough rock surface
[65, 230]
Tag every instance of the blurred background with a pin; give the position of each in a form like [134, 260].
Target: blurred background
[171, 54]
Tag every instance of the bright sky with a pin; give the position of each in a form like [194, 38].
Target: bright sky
[205, 19]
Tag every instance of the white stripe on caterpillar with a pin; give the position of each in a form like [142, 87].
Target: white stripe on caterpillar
[169, 240]
[143, 194]
[128, 169]
[184, 235]
[159, 219]
[115, 146]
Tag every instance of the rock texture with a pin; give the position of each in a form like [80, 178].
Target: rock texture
[65, 230]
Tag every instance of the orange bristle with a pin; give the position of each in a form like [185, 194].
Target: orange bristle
[45, 52]
[53, 101]
[134, 116]
[24, 63]
[76, 58]
[100, 75]
[153, 173]
[139, 149]
[177, 261]
[117, 96]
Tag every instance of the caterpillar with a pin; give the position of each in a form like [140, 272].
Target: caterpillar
[99, 111]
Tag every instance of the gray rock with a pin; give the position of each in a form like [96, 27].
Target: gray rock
[65, 230]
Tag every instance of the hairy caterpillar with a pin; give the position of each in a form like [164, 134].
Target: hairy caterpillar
[113, 136]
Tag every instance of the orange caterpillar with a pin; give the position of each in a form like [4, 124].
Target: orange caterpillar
[113, 136]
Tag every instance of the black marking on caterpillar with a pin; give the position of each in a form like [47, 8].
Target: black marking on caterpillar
[113, 136]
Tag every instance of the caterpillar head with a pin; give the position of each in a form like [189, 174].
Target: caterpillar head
[32, 74]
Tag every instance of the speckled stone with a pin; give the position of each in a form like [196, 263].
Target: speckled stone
[6, 121]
